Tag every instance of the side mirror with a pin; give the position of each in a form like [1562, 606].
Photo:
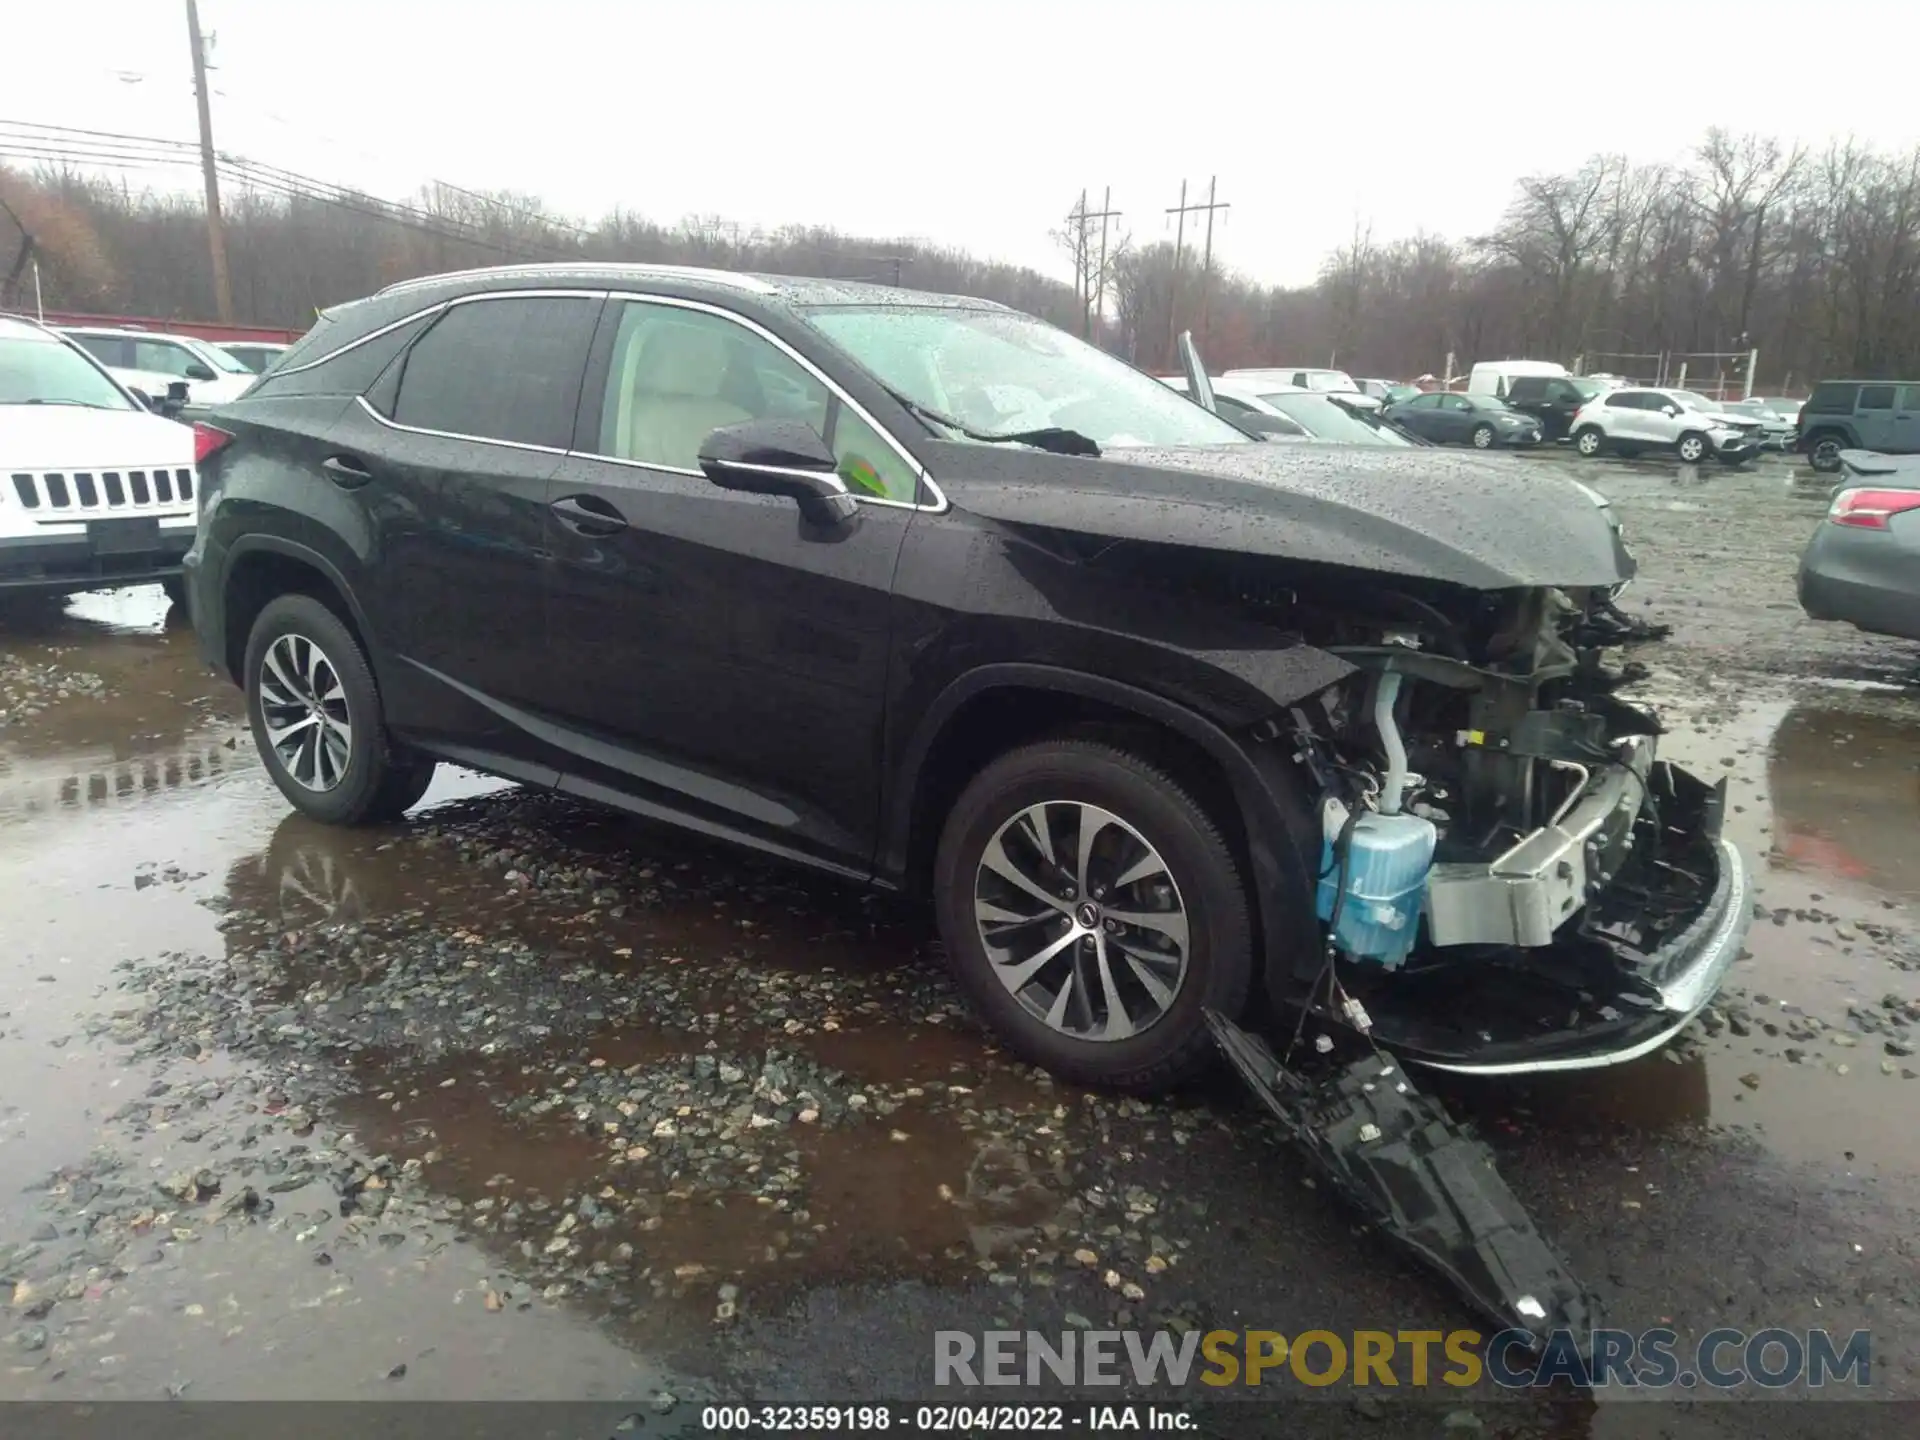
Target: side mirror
[779, 457]
[177, 391]
[196, 371]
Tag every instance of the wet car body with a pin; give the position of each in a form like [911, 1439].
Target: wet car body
[819, 675]
[1862, 564]
[1482, 421]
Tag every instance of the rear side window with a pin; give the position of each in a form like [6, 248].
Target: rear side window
[1829, 398]
[1621, 400]
[504, 369]
[1876, 397]
[1525, 389]
[107, 349]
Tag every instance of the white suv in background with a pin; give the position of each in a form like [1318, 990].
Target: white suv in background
[1632, 420]
[149, 361]
[95, 489]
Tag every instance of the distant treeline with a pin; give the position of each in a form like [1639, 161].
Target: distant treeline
[1813, 259]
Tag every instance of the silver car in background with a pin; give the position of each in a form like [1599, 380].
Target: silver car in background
[1863, 563]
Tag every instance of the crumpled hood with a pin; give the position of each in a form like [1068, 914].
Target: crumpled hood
[76, 437]
[1485, 523]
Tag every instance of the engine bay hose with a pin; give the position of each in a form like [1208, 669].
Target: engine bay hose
[1394, 785]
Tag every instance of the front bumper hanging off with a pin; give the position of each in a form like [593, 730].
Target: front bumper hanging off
[1429, 1185]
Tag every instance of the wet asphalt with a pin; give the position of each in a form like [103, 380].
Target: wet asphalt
[520, 1099]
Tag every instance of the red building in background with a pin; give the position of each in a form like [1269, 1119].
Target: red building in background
[199, 329]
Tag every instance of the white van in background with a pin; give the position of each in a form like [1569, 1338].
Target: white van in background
[1490, 377]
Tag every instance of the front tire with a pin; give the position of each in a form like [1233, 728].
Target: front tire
[1691, 448]
[1483, 437]
[316, 718]
[1589, 442]
[1823, 454]
[1093, 911]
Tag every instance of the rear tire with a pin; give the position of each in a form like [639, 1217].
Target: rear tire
[1483, 437]
[1588, 441]
[316, 718]
[1060, 1013]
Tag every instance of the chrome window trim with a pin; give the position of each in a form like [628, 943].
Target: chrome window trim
[446, 304]
[940, 505]
[364, 339]
[361, 401]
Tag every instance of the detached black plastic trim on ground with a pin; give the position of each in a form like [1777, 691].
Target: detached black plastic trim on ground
[1396, 1155]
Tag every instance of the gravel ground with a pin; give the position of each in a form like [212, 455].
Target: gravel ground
[522, 1099]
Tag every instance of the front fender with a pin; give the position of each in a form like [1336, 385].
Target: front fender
[1281, 839]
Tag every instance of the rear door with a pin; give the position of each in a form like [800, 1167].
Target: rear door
[1873, 417]
[448, 458]
[731, 657]
[1626, 420]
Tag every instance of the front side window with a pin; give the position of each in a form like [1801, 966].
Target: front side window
[219, 360]
[500, 370]
[996, 373]
[677, 375]
[1326, 419]
[34, 371]
[162, 357]
[1455, 402]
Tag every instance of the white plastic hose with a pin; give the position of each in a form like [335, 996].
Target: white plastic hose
[1395, 783]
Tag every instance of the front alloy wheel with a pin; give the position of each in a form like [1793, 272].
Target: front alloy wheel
[1692, 449]
[1094, 912]
[1483, 437]
[1081, 919]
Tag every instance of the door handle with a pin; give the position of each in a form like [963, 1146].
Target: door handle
[346, 472]
[586, 515]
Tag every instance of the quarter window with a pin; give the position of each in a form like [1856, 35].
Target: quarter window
[677, 375]
[500, 370]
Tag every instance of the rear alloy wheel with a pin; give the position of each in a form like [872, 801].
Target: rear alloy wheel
[1824, 454]
[1691, 448]
[317, 721]
[1093, 911]
[1589, 442]
[1483, 437]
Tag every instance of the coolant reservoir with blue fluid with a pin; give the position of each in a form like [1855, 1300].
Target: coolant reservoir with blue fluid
[1386, 881]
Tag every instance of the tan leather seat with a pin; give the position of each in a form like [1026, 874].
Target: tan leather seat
[671, 392]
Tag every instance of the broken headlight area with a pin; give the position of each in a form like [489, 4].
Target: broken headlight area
[1509, 877]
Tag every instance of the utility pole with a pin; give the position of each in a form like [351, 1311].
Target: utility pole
[1092, 287]
[1173, 296]
[1206, 271]
[216, 231]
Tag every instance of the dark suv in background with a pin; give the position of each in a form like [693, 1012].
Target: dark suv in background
[1878, 415]
[1553, 400]
[924, 593]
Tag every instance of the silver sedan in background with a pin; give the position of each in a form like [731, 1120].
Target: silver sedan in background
[1863, 563]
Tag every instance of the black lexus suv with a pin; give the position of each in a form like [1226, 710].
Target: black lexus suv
[925, 594]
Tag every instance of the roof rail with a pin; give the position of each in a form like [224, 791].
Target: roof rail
[574, 267]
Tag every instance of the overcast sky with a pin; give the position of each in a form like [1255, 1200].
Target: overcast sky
[976, 122]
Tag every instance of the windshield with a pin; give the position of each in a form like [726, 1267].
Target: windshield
[45, 372]
[1000, 373]
[1691, 400]
[1326, 419]
[216, 357]
[1587, 389]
